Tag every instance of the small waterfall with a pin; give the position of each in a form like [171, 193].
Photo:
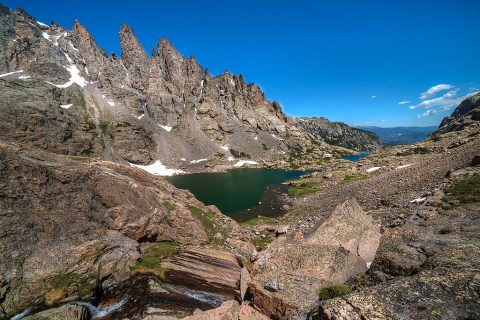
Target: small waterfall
[21, 315]
[210, 298]
[102, 312]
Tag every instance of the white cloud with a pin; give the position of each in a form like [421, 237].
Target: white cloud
[427, 113]
[383, 120]
[433, 90]
[405, 102]
[446, 102]
[373, 97]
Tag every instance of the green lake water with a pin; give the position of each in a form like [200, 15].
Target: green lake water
[237, 193]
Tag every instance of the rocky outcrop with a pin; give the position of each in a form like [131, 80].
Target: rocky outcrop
[339, 134]
[425, 268]
[339, 247]
[466, 114]
[66, 312]
[214, 270]
[229, 310]
[69, 224]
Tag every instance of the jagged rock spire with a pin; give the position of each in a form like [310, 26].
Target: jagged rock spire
[134, 58]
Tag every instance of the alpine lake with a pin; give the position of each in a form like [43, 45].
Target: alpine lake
[241, 194]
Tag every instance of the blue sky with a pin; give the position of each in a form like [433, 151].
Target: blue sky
[350, 61]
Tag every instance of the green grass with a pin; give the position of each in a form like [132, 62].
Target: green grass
[239, 154]
[302, 190]
[220, 155]
[354, 177]
[261, 243]
[150, 262]
[89, 123]
[259, 220]
[81, 100]
[336, 290]
[466, 190]
[85, 284]
[104, 124]
[212, 224]
[169, 206]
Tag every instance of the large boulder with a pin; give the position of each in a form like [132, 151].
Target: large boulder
[340, 246]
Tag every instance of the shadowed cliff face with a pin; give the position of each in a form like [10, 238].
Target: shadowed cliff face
[170, 106]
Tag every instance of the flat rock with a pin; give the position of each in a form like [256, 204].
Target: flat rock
[65, 312]
[208, 269]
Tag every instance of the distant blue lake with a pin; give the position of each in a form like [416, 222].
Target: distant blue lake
[237, 193]
[355, 157]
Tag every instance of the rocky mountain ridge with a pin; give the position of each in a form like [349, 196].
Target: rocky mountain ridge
[137, 109]
[340, 134]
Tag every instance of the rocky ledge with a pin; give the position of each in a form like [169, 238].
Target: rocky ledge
[70, 225]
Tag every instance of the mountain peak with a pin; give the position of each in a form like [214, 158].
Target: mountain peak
[134, 57]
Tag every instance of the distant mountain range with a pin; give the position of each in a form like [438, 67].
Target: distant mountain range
[400, 135]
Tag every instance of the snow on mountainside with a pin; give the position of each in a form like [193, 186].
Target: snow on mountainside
[136, 109]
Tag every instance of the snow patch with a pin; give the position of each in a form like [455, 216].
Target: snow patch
[71, 45]
[111, 103]
[140, 117]
[66, 106]
[24, 77]
[198, 161]
[201, 83]
[418, 200]
[66, 55]
[183, 159]
[46, 36]
[224, 148]
[276, 137]
[86, 71]
[231, 82]
[43, 24]
[404, 166]
[369, 264]
[166, 128]
[158, 169]
[373, 169]
[256, 138]
[231, 159]
[75, 77]
[10, 73]
[243, 162]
